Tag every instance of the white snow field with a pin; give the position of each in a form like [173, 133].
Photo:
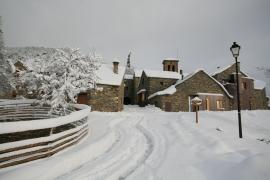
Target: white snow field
[148, 144]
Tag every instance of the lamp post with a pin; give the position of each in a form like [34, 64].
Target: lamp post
[235, 48]
[196, 102]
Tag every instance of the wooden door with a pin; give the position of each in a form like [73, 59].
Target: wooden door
[82, 98]
[168, 106]
[207, 104]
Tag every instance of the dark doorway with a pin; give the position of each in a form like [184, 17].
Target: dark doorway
[127, 100]
[82, 98]
[141, 99]
[168, 107]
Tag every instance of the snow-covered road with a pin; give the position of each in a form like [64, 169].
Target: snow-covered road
[146, 143]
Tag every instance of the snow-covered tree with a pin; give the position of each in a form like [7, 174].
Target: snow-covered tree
[6, 85]
[59, 79]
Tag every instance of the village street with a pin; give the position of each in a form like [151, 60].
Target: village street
[146, 143]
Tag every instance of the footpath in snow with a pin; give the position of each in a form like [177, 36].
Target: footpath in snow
[146, 143]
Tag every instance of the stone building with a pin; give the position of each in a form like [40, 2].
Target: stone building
[129, 83]
[178, 96]
[136, 82]
[109, 94]
[252, 93]
[153, 81]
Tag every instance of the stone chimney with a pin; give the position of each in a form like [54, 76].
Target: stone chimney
[115, 66]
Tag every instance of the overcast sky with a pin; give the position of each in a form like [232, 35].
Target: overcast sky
[200, 32]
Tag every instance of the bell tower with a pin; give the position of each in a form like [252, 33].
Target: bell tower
[170, 64]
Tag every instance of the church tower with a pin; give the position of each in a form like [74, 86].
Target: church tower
[170, 64]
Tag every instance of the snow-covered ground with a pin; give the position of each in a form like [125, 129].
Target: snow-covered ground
[146, 143]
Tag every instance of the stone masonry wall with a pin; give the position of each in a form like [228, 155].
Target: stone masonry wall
[158, 84]
[250, 98]
[226, 74]
[107, 98]
[199, 83]
[259, 99]
[129, 90]
[136, 86]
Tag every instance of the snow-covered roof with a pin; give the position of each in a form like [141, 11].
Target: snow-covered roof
[140, 91]
[138, 73]
[220, 70]
[128, 76]
[210, 94]
[170, 90]
[106, 75]
[172, 59]
[162, 74]
[258, 84]
[248, 78]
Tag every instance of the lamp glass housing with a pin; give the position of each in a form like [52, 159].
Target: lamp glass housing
[235, 49]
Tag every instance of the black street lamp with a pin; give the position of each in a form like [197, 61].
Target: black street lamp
[235, 48]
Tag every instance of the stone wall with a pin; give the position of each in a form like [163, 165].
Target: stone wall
[250, 98]
[226, 74]
[199, 83]
[170, 65]
[259, 99]
[129, 91]
[153, 84]
[158, 84]
[136, 86]
[106, 98]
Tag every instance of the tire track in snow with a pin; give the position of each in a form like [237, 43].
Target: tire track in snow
[132, 148]
[149, 150]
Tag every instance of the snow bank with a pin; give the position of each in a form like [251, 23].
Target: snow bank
[146, 143]
[59, 165]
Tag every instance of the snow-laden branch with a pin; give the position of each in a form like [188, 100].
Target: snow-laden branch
[58, 79]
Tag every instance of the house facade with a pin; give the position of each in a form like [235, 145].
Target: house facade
[178, 96]
[252, 95]
[171, 91]
[154, 81]
[108, 96]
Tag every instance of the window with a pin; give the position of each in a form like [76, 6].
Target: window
[207, 104]
[142, 81]
[161, 83]
[169, 67]
[244, 85]
[232, 79]
[219, 104]
[173, 68]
